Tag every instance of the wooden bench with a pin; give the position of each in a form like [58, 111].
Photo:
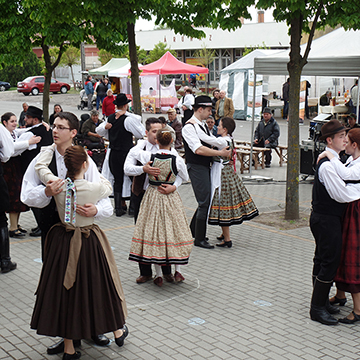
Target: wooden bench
[243, 155]
[281, 150]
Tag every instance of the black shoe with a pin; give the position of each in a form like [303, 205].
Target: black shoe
[267, 165]
[120, 212]
[124, 207]
[120, 341]
[204, 244]
[221, 237]
[75, 355]
[101, 340]
[34, 229]
[320, 314]
[131, 212]
[225, 243]
[7, 265]
[345, 320]
[36, 232]
[59, 347]
[22, 230]
[336, 300]
[16, 233]
[331, 309]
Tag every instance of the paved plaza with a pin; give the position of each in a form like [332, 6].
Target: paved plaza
[247, 302]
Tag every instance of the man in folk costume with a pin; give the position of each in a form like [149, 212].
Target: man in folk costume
[121, 128]
[198, 143]
[329, 196]
[35, 194]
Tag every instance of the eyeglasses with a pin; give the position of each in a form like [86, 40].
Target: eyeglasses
[60, 128]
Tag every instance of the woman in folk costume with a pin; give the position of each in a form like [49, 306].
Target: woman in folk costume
[231, 203]
[348, 274]
[79, 293]
[162, 235]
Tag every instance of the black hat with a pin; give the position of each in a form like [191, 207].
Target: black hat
[203, 100]
[121, 99]
[34, 112]
[267, 110]
[331, 128]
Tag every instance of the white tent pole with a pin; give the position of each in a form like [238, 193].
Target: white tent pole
[252, 125]
[357, 104]
[159, 92]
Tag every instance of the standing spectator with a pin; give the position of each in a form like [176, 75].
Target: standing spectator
[108, 106]
[6, 150]
[286, 97]
[210, 123]
[22, 115]
[57, 109]
[176, 125]
[121, 130]
[354, 96]
[352, 121]
[101, 90]
[216, 97]
[198, 154]
[13, 174]
[185, 105]
[224, 107]
[89, 91]
[267, 134]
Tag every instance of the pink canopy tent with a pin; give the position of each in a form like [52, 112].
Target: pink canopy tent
[168, 64]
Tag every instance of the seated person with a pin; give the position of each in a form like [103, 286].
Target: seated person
[352, 124]
[210, 122]
[91, 139]
[325, 99]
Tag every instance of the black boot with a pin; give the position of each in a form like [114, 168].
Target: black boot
[6, 263]
[119, 211]
[200, 233]
[318, 310]
[330, 308]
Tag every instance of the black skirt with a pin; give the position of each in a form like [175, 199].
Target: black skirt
[91, 307]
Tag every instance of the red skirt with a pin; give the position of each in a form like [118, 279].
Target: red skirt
[348, 274]
[13, 176]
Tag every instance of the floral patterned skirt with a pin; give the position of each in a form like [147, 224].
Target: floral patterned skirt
[233, 204]
[162, 235]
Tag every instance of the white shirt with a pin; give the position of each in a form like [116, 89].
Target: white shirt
[193, 135]
[33, 191]
[335, 186]
[132, 124]
[132, 169]
[6, 144]
[25, 136]
[349, 172]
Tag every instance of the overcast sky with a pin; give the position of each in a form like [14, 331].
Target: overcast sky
[149, 25]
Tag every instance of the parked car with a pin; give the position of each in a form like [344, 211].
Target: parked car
[4, 86]
[35, 85]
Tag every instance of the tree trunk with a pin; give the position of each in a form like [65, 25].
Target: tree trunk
[48, 72]
[135, 85]
[295, 66]
[72, 75]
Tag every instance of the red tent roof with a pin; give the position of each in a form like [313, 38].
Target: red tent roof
[168, 64]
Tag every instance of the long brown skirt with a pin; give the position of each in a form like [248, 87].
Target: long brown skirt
[91, 307]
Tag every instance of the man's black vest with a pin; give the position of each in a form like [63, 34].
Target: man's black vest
[120, 139]
[192, 158]
[322, 203]
[46, 140]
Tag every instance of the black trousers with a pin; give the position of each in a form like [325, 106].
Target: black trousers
[116, 164]
[326, 230]
[145, 269]
[201, 184]
[268, 156]
[187, 115]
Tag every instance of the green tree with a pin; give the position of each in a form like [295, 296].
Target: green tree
[71, 57]
[13, 73]
[158, 51]
[304, 16]
[206, 57]
[251, 49]
[25, 24]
